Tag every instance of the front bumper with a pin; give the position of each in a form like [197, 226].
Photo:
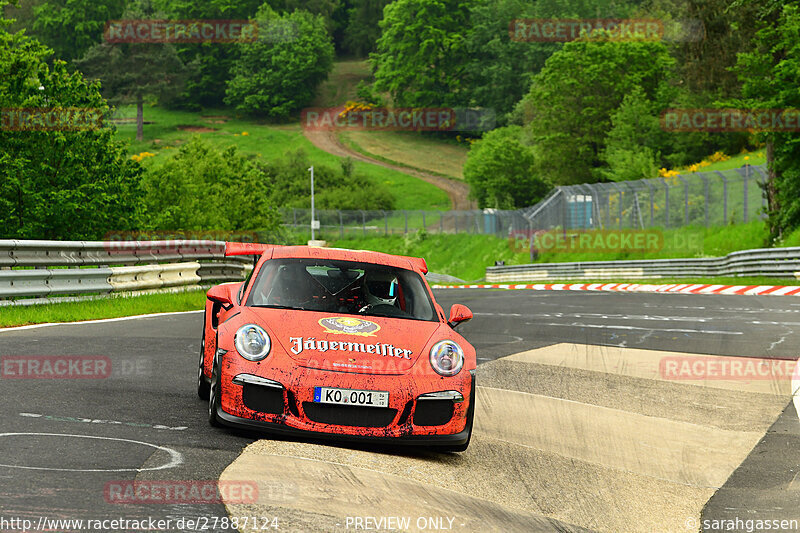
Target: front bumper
[281, 429]
[296, 414]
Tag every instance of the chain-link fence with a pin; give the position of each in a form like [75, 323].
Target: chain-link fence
[335, 224]
[696, 199]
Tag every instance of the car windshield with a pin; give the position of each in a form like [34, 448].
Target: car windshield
[343, 287]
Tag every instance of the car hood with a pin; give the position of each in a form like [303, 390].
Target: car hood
[346, 343]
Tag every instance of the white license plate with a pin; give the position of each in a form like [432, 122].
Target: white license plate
[369, 398]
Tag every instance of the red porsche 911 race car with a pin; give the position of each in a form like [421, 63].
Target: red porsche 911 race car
[342, 343]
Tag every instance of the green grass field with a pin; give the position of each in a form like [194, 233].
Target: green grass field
[751, 158]
[466, 256]
[677, 243]
[342, 83]
[410, 149]
[167, 129]
[112, 307]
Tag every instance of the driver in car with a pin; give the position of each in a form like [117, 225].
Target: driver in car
[380, 289]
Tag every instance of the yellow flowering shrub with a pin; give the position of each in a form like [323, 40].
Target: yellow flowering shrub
[664, 173]
[142, 155]
[718, 157]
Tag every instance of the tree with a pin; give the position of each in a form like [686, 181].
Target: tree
[770, 76]
[713, 33]
[22, 16]
[201, 188]
[325, 8]
[499, 70]
[277, 77]
[501, 171]
[422, 52]
[212, 60]
[631, 144]
[363, 26]
[58, 184]
[130, 72]
[71, 27]
[568, 109]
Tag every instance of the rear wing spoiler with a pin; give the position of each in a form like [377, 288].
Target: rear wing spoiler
[246, 248]
[254, 248]
[419, 263]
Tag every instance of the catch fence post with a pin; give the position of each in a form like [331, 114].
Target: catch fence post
[685, 200]
[705, 195]
[724, 197]
[744, 185]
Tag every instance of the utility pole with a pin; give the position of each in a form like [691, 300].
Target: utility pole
[313, 219]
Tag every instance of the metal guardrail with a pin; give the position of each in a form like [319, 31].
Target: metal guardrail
[762, 262]
[25, 253]
[43, 269]
[52, 282]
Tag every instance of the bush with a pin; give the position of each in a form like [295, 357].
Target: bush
[201, 188]
[501, 171]
[289, 185]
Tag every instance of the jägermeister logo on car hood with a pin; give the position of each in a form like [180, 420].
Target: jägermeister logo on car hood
[349, 326]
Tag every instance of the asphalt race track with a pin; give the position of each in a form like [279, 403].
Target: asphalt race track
[579, 426]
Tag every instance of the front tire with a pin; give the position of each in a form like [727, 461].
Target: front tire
[203, 387]
[213, 398]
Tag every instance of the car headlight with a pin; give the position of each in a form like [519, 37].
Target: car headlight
[252, 342]
[447, 358]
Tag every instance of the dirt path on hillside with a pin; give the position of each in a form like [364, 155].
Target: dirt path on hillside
[458, 191]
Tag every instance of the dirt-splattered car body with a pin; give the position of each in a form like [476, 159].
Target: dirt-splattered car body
[337, 343]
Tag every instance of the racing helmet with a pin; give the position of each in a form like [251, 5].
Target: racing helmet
[380, 288]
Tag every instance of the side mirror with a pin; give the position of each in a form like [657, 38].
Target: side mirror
[222, 295]
[459, 313]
